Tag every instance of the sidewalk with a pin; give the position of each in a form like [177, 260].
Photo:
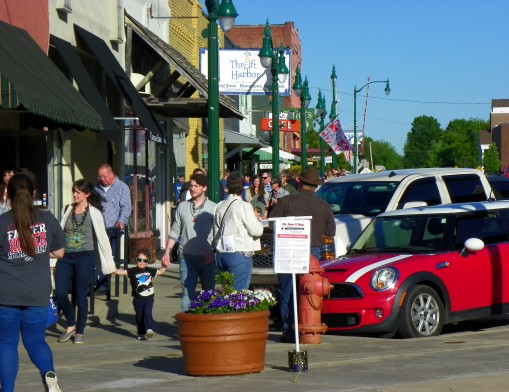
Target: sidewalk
[112, 359]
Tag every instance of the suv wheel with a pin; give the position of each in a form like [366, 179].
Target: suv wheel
[422, 313]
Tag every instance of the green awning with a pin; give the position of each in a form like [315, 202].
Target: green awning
[40, 86]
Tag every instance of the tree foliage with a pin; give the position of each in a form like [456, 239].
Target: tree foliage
[383, 153]
[458, 144]
[416, 151]
[491, 160]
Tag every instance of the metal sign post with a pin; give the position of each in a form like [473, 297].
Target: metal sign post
[292, 240]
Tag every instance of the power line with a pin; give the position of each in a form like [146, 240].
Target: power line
[414, 100]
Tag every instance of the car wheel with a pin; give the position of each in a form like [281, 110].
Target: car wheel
[422, 313]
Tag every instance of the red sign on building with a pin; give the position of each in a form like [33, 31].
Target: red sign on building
[284, 125]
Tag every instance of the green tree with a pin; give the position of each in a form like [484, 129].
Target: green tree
[491, 160]
[416, 152]
[383, 154]
[458, 144]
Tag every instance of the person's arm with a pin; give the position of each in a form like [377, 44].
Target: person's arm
[174, 234]
[120, 272]
[125, 207]
[161, 270]
[165, 260]
[253, 226]
[330, 228]
[57, 254]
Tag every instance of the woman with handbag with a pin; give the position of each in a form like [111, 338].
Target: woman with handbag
[28, 237]
[85, 233]
[237, 234]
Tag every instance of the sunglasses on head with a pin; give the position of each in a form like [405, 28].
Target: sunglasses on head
[140, 260]
[265, 178]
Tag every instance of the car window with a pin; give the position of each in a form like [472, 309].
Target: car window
[465, 188]
[425, 190]
[366, 198]
[500, 187]
[408, 234]
[486, 226]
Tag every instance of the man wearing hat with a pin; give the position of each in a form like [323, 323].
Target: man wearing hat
[303, 203]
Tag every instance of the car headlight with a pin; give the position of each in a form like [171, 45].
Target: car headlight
[384, 278]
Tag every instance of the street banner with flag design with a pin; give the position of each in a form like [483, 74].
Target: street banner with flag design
[336, 138]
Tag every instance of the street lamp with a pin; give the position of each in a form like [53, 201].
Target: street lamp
[302, 90]
[226, 13]
[321, 113]
[333, 114]
[279, 71]
[355, 91]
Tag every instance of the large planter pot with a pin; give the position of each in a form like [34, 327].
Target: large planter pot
[223, 344]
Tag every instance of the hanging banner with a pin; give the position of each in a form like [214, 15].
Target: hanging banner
[334, 136]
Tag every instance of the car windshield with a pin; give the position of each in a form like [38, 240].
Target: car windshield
[407, 234]
[366, 198]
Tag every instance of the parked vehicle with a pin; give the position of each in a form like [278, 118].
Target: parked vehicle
[500, 186]
[412, 271]
[356, 199]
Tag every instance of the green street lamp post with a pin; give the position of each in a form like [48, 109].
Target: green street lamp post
[301, 90]
[275, 59]
[321, 113]
[333, 114]
[355, 91]
[226, 14]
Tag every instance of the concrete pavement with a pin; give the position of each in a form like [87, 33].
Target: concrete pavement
[469, 357]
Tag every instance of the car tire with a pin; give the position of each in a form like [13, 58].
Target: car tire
[422, 313]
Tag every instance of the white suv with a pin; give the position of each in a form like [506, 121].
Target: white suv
[356, 199]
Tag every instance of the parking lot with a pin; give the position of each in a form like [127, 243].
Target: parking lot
[466, 357]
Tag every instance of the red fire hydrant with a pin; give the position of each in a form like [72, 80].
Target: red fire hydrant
[312, 288]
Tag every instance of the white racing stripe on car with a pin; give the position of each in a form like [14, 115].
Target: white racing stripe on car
[352, 278]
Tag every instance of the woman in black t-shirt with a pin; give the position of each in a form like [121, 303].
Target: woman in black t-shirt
[28, 237]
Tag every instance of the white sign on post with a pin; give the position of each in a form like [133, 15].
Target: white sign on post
[292, 239]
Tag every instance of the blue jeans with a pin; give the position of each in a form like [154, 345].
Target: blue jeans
[31, 322]
[78, 268]
[286, 296]
[239, 265]
[143, 310]
[193, 267]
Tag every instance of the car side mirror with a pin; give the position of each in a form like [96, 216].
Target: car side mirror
[472, 245]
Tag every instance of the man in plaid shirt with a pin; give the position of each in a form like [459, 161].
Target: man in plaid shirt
[116, 204]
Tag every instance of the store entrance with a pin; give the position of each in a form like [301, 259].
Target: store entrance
[27, 151]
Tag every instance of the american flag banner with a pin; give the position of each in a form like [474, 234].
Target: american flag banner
[336, 138]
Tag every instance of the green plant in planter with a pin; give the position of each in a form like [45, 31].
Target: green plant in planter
[227, 300]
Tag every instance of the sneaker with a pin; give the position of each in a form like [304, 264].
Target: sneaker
[142, 337]
[65, 336]
[150, 333]
[50, 382]
[79, 338]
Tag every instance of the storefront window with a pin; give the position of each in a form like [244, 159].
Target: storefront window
[140, 161]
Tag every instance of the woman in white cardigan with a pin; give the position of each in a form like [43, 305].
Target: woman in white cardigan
[85, 233]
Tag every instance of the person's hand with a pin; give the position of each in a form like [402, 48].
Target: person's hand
[165, 260]
[120, 225]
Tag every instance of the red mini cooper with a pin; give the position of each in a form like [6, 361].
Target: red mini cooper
[412, 271]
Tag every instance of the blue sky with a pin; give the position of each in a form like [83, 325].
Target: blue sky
[444, 58]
